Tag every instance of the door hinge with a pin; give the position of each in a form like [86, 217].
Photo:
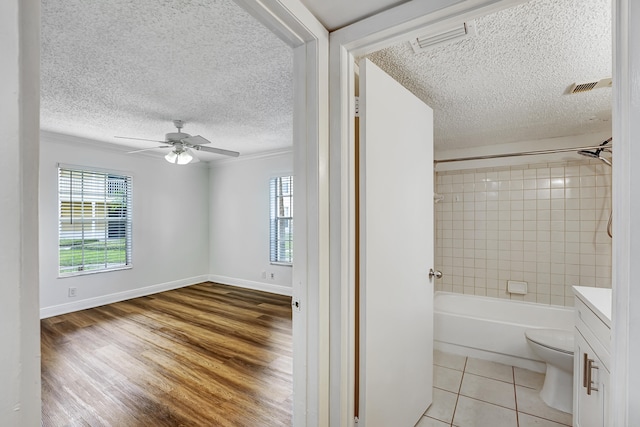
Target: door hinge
[357, 106]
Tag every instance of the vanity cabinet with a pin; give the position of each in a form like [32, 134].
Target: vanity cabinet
[591, 386]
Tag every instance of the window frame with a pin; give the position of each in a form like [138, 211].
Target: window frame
[275, 257]
[105, 196]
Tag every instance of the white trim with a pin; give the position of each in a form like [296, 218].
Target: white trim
[250, 284]
[280, 174]
[291, 20]
[625, 341]
[111, 147]
[19, 319]
[63, 138]
[56, 310]
[85, 168]
[254, 156]
[105, 146]
[89, 272]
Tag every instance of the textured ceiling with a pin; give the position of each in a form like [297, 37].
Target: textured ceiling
[128, 67]
[508, 84]
[335, 14]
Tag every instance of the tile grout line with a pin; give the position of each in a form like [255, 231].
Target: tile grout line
[455, 407]
[492, 378]
[515, 385]
[515, 395]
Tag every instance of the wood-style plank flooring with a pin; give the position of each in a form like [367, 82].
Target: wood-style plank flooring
[205, 355]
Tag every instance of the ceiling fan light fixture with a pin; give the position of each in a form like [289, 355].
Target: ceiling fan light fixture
[171, 156]
[184, 157]
[182, 145]
[181, 157]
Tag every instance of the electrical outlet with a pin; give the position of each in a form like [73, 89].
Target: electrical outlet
[272, 275]
[72, 292]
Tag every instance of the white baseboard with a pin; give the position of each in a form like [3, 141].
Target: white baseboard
[69, 307]
[249, 284]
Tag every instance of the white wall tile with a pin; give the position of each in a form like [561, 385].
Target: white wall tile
[545, 224]
[543, 172]
[572, 171]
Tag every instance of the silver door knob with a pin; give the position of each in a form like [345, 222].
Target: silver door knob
[436, 273]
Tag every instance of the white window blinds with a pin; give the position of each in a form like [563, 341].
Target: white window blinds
[94, 221]
[281, 228]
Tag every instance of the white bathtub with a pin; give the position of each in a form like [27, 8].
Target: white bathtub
[492, 328]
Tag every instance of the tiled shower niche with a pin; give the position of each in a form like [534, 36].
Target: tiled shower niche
[545, 224]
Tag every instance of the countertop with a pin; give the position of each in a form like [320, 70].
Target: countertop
[598, 300]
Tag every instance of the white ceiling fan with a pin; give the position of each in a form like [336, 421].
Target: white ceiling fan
[182, 145]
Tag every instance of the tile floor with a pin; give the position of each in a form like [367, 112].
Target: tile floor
[471, 392]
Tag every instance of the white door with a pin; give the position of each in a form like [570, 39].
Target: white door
[396, 252]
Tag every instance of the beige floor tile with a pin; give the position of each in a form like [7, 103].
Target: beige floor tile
[444, 403]
[431, 422]
[447, 379]
[525, 420]
[448, 360]
[528, 378]
[474, 413]
[488, 369]
[529, 402]
[488, 390]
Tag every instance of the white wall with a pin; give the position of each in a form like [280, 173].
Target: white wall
[170, 226]
[239, 223]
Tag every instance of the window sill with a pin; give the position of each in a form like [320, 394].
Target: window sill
[283, 264]
[85, 273]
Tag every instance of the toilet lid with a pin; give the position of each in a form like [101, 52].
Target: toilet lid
[555, 339]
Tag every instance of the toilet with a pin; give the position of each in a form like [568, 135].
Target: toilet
[555, 347]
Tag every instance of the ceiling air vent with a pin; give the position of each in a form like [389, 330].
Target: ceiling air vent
[586, 87]
[422, 43]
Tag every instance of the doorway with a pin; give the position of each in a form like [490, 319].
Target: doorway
[310, 43]
[356, 41]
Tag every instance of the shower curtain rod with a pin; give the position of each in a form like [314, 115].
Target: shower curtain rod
[525, 153]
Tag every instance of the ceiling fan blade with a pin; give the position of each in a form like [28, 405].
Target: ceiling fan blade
[146, 149]
[217, 151]
[196, 140]
[141, 139]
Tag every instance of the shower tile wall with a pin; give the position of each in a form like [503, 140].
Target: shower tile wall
[544, 224]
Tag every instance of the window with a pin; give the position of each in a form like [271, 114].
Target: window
[281, 195]
[94, 221]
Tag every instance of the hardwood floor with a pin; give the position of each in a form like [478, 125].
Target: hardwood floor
[205, 355]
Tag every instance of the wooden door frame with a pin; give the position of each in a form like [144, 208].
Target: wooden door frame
[400, 23]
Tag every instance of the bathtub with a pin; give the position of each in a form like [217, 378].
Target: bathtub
[493, 329]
